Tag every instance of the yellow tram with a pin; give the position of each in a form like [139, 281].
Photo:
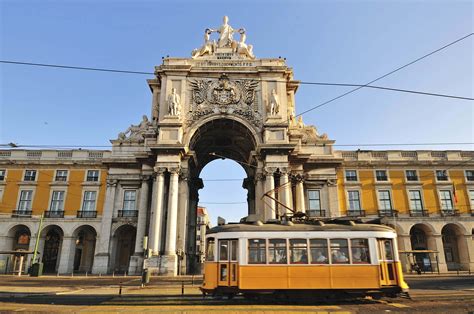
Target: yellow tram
[302, 259]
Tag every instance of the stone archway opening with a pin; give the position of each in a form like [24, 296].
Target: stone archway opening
[53, 238]
[213, 141]
[84, 240]
[454, 247]
[421, 238]
[124, 245]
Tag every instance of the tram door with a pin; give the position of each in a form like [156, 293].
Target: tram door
[387, 262]
[228, 266]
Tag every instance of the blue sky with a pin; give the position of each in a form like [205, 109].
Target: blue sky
[324, 41]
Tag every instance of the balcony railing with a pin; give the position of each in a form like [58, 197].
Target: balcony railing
[316, 213]
[449, 212]
[388, 213]
[356, 213]
[21, 213]
[419, 213]
[54, 214]
[87, 214]
[127, 213]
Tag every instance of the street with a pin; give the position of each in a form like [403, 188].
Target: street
[430, 294]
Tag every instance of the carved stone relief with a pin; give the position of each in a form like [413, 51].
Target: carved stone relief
[224, 96]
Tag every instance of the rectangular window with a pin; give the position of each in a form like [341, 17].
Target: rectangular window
[354, 200]
[314, 198]
[470, 175]
[360, 251]
[57, 201]
[92, 175]
[2, 174]
[277, 251]
[446, 200]
[89, 201]
[61, 175]
[129, 197]
[411, 175]
[415, 200]
[339, 251]
[298, 251]
[210, 249]
[385, 200]
[441, 175]
[471, 197]
[257, 251]
[351, 175]
[381, 175]
[319, 251]
[223, 250]
[26, 197]
[30, 175]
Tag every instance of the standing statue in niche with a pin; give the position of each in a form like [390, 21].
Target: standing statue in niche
[174, 103]
[274, 106]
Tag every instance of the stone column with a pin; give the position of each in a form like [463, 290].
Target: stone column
[333, 200]
[182, 214]
[300, 196]
[136, 260]
[249, 185]
[285, 194]
[142, 211]
[157, 212]
[437, 241]
[66, 259]
[101, 259]
[259, 205]
[171, 229]
[269, 203]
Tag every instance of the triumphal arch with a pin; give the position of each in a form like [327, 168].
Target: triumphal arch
[223, 102]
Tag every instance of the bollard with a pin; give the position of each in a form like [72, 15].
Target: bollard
[72, 273]
[125, 274]
[192, 280]
[113, 274]
[57, 274]
[120, 290]
[100, 274]
[86, 274]
[182, 287]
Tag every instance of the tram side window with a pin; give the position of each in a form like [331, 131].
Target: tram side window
[339, 251]
[360, 251]
[257, 251]
[319, 251]
[210, 249]
[277, 251]
[298, 251]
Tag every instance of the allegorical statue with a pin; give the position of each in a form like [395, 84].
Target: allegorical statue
[226, 34]
[243, 48]
[136, 132]
[174, 103]
[274, 106]
[209, 45]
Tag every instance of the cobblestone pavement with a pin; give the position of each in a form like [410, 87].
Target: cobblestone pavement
[102, 294]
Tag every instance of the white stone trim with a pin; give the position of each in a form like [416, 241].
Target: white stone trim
[422, 192]
[384, 188]
[387, 172]
[89, 189]
[357, 174]
[92, 182]
[358, 189]
[56, 189]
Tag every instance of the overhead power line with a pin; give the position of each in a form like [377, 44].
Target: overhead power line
[359, 86]
[385, 75]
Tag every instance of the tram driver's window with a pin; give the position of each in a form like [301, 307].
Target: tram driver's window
[298, 251]
[339, 251]
[360, 251]
[210, 249]
[223, 250]
[319, 251]
[277, 251]
[257, 251]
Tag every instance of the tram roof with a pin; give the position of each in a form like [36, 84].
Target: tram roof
[296, 227]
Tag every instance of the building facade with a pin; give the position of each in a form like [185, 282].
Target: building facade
[223, 102]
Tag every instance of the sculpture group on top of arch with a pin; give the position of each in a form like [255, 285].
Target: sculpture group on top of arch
[226, 40]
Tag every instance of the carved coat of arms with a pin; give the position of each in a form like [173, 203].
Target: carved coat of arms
[224, 96]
